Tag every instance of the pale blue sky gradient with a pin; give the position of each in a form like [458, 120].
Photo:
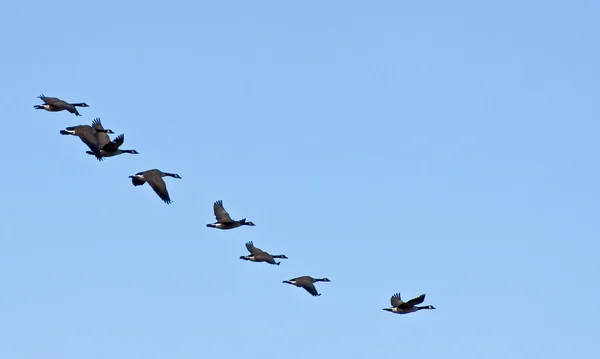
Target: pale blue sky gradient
[447, 148]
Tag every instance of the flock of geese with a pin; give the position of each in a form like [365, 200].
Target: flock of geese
[100, 145]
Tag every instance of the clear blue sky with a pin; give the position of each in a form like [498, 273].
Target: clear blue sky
[446, 148]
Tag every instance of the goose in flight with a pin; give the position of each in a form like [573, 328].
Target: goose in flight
[154, 178]
[258, 255]
[89, 136]
[107, 147]
[224, 221]
[54, 104]
[401, 307]
[307, 283]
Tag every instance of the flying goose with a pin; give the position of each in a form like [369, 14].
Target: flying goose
[54, 104]
[154, 179]
[401, 307]
[306, 282]
[88, 135]
[107, 147]
[111, 148]
[257, 255]
[224, 221]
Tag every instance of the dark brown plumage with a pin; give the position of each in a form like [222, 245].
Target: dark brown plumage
[89, 136]
[54, 104]
[154, 179]
[306, 282]
[258, 255]
[224, 221]
[401, 307]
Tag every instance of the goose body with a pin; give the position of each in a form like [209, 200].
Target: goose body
[111, 148]
[54, 104]
[401, 307]
[154, 178]
[89, 136]
[258, 255]
[107, 147]
[224, 221]
[307, 283]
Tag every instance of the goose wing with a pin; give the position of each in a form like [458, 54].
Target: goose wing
[102, 137]
[113, 145]
[220, 212]
[158, 185]
[413, 302]
[88, 136]
[395, 300]
[252, 249]
[68, 107]
[310, 287]
[49, 100]
[306, 282]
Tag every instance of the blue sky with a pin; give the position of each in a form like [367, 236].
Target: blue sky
[446, 148]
